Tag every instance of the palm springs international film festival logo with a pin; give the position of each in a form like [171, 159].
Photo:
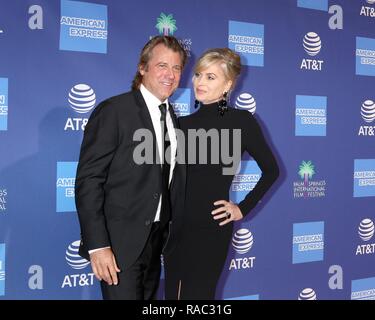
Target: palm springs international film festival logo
[312, 44]
[76, 262]
[368, 116]
[365, 56]
[308, 242]
[368, 11]
[247, 39]
[366, 233]
[308, 188]
[307, 294]
[242, 242]
[311, 115]
[363, 289]
[364, 178]
[3, 104]
[245, 101]
[166, 26]
[82, 100]
[83, 26]
[313, 4]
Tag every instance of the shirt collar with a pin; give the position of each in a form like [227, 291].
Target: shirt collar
[150, 99]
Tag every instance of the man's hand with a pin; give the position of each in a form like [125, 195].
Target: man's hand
[104, 265]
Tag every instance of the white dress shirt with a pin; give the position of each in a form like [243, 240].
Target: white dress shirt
[153, 108]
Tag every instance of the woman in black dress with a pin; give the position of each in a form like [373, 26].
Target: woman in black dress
[196, 253]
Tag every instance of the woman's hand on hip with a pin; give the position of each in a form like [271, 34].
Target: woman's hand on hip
[228, 211]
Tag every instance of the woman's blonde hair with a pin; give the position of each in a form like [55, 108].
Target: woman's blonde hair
[229, 61]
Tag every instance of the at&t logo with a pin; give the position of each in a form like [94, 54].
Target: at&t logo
[246, 101]
[307, 294]
[366, 229]
[73, 258]
[75, 261]
[368, 11]
[312, 45]
[82, 100]
[368, 115]
[242, 242]
[366, 232]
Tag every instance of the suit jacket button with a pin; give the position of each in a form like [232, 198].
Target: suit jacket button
[156, 195]
[147, 223]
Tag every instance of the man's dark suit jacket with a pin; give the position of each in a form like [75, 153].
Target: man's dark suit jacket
[116, 198]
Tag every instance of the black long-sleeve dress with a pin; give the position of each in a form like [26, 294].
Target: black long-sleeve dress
[193, 268]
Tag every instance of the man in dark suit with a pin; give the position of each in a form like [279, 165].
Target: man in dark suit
[124, 206]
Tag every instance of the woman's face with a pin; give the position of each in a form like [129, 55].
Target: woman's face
[210, 84]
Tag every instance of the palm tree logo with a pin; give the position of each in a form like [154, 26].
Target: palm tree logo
[306, 171]
[166, 24]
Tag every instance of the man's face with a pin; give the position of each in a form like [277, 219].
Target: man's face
[162, 74]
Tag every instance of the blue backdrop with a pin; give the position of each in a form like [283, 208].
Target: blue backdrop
[308, 77]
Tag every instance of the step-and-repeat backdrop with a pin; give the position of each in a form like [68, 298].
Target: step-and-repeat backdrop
[308, 77]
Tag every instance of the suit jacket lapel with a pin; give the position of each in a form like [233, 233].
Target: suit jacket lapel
[178, 167]
[146, 117]
[173, 116]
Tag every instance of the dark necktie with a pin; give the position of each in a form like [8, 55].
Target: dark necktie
[165, 212]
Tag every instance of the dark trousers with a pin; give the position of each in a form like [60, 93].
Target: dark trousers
[141, 280]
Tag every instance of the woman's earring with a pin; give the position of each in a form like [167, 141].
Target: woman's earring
[223, 105]
[196, 104]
